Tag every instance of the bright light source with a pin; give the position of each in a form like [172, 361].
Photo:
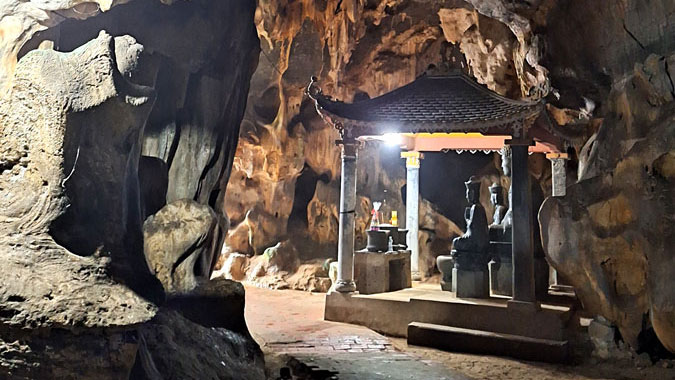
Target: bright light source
[392, 139]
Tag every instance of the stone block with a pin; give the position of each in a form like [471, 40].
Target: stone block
[445, 264]
[382, 272]
[501, 278]
[470, 284]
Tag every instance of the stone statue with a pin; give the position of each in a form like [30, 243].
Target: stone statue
[497, 199]
[475, 239]
[465, 270]
[507, 220]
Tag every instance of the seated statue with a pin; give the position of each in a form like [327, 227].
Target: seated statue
[497, 199]
[475, 239]
[500, 229]
[500, 244]
[465, 270]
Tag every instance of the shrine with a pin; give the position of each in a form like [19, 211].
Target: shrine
[448, 110]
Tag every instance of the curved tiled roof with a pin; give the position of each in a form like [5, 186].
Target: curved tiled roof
[446, 103]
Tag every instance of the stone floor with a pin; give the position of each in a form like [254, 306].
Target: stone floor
[290, 328]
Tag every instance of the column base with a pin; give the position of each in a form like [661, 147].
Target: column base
[523, 306]
[416, 276]
[344, 286]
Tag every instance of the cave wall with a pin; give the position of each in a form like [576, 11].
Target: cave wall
[118, 126]
[362, 49]
[611, 236]
[575, 55]
[357, 49]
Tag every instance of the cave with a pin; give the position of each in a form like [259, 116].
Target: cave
[337, 189]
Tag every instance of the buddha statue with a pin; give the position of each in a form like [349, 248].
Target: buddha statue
[500, 243]
[500, 229]
[497, 199]
[475, 239]
[465, 271]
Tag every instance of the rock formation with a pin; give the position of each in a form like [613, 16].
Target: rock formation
[119, 122]
[285, 178]
[612, 234]
[109, 120]
[572, 54]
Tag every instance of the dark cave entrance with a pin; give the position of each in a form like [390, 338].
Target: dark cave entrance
[305, 186]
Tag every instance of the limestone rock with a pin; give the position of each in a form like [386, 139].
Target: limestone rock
[110, 355]
[42, 276]
[282, 137]
[435, 236]
[333, 272]
[58, 298]
[213, 303]
[311, 277]
[487, 45]
[281, 257]
[611, 235]
[172, 346]
[73, 128]
[643, 360]
[586, 27]
[323, 219]
[176, 244]
[233, 268]
[604, 339]
[21, 20]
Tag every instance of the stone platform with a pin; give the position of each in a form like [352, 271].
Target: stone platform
[391, 313]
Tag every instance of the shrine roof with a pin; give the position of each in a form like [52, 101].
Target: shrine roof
[432, 103]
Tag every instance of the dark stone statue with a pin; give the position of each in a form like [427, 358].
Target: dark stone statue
[500, 266]
[465, 271]
[475, 239]
[497, 199]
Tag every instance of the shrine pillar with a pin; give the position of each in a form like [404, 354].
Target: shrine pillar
[345, 273]
[522, 229]
[559, 183]
[559, 173]
[412, 219]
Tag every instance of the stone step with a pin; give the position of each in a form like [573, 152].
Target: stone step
[490, 343]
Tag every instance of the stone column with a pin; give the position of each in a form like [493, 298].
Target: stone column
[522, 229]
[412, 214]
[559, 173]
[345, 274]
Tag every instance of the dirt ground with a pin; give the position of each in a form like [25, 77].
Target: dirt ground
[289, 326]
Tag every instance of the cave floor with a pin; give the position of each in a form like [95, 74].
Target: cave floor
[290, 329]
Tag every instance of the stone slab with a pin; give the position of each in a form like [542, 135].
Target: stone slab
[490, 343]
